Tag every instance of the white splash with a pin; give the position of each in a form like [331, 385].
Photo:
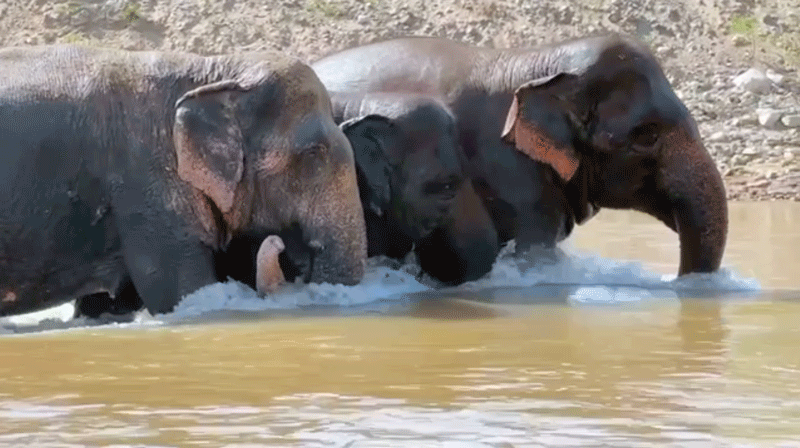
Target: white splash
[587, 278]
[380, 282]
[595, 279]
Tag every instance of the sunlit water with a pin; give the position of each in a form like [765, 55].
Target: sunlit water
[597, 345]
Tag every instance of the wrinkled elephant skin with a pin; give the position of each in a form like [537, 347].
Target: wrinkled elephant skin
[550, 135]
[406, 153]
[129, 173]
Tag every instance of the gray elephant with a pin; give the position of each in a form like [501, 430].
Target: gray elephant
[129, 173]
[410, 178]
[407, 165]
[550, 135]
[410, 183]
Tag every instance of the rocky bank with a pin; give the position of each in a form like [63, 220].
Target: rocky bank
[735, 63]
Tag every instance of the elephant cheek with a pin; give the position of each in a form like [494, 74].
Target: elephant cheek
[697, 195]
[272, 163]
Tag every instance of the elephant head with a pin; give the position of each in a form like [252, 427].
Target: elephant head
[618, 137]
[263, 150]
[407, 159]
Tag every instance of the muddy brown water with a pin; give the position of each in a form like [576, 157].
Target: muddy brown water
[470, 369]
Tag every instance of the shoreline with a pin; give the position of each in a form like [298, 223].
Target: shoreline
[762, 188]
[734, 64]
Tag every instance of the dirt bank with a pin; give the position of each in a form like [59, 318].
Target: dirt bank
[751, 127]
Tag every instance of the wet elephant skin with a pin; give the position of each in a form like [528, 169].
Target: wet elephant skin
[552, 134]
[411, 181]
[131, 172]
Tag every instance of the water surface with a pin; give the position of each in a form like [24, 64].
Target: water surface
[598, 346]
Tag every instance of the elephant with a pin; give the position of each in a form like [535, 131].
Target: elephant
[549, 135]
[129, 173]
[408, 173]
[406, 162]
[410, 184]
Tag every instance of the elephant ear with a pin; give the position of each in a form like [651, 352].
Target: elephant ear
[538, 123]
[208, 141]
[372, 137]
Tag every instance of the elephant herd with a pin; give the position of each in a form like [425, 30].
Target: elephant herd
[132, 179]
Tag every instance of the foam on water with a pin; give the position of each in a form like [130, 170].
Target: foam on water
[599, 279]
[380, 282]
[588, 277]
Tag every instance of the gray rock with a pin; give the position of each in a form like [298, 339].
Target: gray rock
[774, 77]
[768, 117]
[750, 151]
[753, 80]
[744, 120]
[740, 41]
[791, 121]
[718, 136]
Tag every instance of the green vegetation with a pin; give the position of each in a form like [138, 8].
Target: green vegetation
[131, 12]
[744, 25]
[74, 37]
[786, 44]
[325, 7]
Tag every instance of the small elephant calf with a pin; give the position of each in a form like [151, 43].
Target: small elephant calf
[411, 182]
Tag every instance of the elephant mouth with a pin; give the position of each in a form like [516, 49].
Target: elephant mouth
[299, 263]
[423, 227]
[297, 259]
[427, 226]
[426, 220]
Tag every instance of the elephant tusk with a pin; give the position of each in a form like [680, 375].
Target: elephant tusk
[269, 276]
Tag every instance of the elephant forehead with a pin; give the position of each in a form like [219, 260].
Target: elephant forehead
[406, 103]
[304, 87]
[427, 123]
[625, 101]
[260, 65]
[621, 61]
[300, 119]
[431, 114]
[295, 81]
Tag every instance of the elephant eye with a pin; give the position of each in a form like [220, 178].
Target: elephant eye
[448, 186]
[314, 150]
[645, 135]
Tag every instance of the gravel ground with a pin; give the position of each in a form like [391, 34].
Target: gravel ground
[735, 63]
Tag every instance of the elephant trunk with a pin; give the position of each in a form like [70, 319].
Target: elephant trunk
[337, 234]
[697, 194]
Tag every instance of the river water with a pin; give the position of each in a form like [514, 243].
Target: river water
[597, 345]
